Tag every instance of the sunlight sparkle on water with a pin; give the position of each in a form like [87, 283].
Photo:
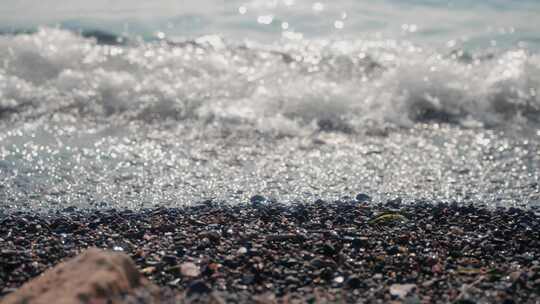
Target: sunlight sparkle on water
[176, 120]
[265, 19]
[318, 7]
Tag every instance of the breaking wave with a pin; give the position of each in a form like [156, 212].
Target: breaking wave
[291, 87]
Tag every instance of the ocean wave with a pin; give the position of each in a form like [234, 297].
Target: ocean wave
[290, 87]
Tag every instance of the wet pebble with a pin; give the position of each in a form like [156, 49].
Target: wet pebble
[362, 197]
[289, 250]
[189, 270]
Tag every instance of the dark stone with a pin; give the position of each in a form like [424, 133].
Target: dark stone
[328, 249]
[231, 263]
[180, 251]
[70, 209]
[198, 287]
[392, 250]
[169, 259]
[248, 279]
[334, 125]
[257, 199]
[359, 242]
[103, 37]
[211, 235]
[362, 197]
[394, 203]
[354, 282]
[327, 274]
[464, 301]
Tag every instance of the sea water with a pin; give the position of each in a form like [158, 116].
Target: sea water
[165, 103]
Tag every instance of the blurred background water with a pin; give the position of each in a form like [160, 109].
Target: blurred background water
[143, 103]
[440, 23]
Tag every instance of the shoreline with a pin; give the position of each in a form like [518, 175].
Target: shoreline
[328, 251]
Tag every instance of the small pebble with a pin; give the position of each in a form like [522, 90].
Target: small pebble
[189, 269]
[362, 197]
[401, 290]
[339, 279]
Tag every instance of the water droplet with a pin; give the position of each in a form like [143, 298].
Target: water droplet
[318, 7]
[160, 35]
[288, 2]
[265, 19]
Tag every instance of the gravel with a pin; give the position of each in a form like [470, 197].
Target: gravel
[342, 251]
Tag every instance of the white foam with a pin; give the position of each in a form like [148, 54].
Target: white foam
[291, 88]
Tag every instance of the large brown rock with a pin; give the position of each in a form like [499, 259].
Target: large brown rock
[95, 276]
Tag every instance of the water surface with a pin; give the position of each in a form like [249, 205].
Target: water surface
[132, 104]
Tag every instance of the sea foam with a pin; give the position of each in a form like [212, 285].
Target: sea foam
[292, 87]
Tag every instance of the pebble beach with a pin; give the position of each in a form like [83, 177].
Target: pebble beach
[269, 151]
[321, 252]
